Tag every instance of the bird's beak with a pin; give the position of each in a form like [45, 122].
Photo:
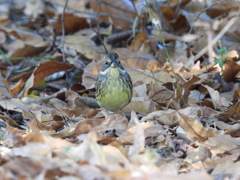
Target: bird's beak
[114, 64]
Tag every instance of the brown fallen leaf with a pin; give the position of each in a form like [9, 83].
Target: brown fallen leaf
[17, 87]
[138, 42]
[139, 137]
[128, 136]
[93, 153]
[38, 137]
[232, 112]
[223, 143]
[194, 128]
[219, 102]
[138, 61]
[168, 117]
[4, 88]
[45, 69]
[15, 105]
[123, 9]
[199, 154]
[230, 168]
[230, 69]
[212, 162]
[219, 9]
[231, 129]
[27, 44]
[83, 45]
[72, 23]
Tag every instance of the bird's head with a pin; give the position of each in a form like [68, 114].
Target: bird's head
[112, 65]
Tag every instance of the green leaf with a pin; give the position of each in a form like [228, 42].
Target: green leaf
[220, 62]
[222, 51]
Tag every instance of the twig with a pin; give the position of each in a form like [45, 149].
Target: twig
[220, 34]
[98, 24]
[203, 11]
[98, 27]
[63, 31]
[120, 35]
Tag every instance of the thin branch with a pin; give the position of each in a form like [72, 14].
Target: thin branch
[98, 26]
[63, 31]
[203, 11]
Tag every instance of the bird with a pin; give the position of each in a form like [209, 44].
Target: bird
[113, 85]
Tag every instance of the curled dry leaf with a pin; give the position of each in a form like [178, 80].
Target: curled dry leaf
[128, 136]
[168, 117]
[219, 102]
[17, 87]
[43, 70]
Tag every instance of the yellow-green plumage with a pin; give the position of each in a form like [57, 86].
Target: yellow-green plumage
[114, 85]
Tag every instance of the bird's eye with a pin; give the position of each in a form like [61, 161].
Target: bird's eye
[106, 63]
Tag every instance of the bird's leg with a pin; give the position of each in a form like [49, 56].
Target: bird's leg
[122, 112]
[105, 112]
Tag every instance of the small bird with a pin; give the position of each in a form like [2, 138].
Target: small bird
[114, 85]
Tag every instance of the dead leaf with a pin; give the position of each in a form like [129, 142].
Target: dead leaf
[194, 129]
[168, 117]
[230, 69]
[17, 87]
[45, 69]
[122, 9]
[223, 143]
[199, 154]
[4, 88]
[83, 45]
[219, 102]
[139, 137]
[233, 111]
[27, 44]
[138, 41]
[128, 136]
[72, 23]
